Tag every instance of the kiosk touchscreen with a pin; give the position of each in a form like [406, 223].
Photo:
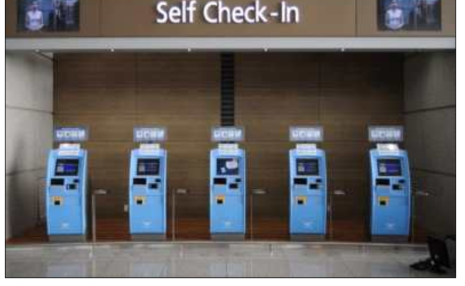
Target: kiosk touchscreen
[66, 187]
[147, 186]
[390, 186]
[227, 186]
[308, 186]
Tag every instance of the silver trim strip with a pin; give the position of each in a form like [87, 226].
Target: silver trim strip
[233, 44]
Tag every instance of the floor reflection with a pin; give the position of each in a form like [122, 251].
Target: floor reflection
[214, 260]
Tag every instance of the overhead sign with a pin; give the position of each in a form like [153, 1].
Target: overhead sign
[228, 134]
[70, 134]
[385, 133]
[306, 134]
[150, 134]
[216, 12]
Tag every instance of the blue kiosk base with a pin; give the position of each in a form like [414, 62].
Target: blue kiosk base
[148, 237]
[390, 238]
[67, 238]
[227, 236]
[308, 237]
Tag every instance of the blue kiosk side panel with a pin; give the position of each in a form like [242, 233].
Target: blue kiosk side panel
[227, 193]
[147, 193]
[308, 193]
[66, 193]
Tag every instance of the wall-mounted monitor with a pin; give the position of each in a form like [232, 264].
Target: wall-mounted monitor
[39, 16]
[409, 15]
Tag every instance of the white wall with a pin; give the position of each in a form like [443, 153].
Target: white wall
[430, 111]
[29, 121]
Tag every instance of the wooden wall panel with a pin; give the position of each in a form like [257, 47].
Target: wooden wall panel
[112, 93]
[345, 92]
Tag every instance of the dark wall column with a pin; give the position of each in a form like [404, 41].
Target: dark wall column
[430, 111]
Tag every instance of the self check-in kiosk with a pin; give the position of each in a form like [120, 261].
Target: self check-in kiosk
[147, 185]
[227, 185]
[308, 185]
[390, 185]
[66, 186]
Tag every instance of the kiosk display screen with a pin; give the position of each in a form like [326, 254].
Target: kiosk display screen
[389, 167]
[307, 167]
[148, 167]
[227, 166]
[67, 167]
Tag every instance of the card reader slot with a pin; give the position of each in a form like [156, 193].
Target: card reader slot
[139, 181]
[57, 182]
[397, 187]
[300, 181]
[219, 181]
[234, 186]
[313, 186]
[383, 182]
[71, 187]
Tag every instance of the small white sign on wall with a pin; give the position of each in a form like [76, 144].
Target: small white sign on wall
[228, 134]
[306, 133]
[70, 134]
[306, 149]
[385, 133]
[150, 134]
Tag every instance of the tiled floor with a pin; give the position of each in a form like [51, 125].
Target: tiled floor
[211, 259]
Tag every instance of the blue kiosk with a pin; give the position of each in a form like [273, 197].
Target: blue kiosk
[307, 185]
[66, 187]
[390, 186]
[147, 185]
[227, 185]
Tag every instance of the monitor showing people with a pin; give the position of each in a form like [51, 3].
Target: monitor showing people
[409, 15]
[48, 15]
